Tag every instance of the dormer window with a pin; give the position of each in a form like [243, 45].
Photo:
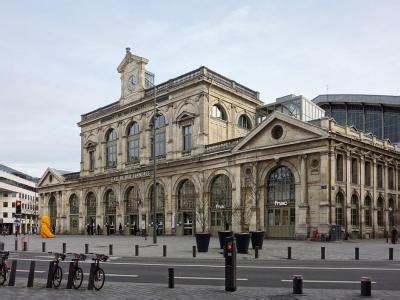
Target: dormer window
[218, 112]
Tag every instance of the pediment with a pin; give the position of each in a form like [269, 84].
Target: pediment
[129, 58]
[50, 177]
[280, 129]
[184, 116]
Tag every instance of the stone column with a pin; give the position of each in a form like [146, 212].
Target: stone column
[333, 183]
[204, 120]
[324, 204]
[385, 187]
[362, 195]
[236, 195]
[303, 206]
[374, 180]
[348, 192]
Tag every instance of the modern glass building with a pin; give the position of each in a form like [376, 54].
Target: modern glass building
[377, 114]
[298, 107]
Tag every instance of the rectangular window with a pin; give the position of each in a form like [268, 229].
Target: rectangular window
[380, 217]
[285, 217]
[379, 170]
[339, 167]
[5, 215]
[391, 178]
[339, 216]
[133, 148]
[367, 217]
[292, 216]
[160, 143]
[277, 216]
[354, 217]
[270, 217]
[354, 171]
[13, 204]
[91, 161]
[367, 173]
[187, 138]
[5, 195]
[5, 204]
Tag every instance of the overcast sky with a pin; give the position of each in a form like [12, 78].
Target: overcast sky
[58, 59]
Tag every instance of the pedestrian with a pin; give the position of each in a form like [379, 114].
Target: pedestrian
[54, 228]
[394, 235]
[88, 228]
[120, 229]
[107, 228]
[98, 229]
[93, 228]
[134, 229]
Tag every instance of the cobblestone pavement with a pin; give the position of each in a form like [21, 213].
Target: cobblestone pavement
[181, 247]
[157, 291]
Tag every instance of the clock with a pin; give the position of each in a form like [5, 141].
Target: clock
[132, 82]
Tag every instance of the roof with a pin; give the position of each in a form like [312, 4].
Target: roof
[18, 173]
[358, 98]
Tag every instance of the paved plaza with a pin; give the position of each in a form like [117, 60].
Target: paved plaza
[181, 247]
[157, 291]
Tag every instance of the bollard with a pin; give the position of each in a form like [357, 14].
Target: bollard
[171, 283]
[25, 246]
[194, 251]
[297, 284]
[31, 274]
[230, 264]
[70, 275]
[289, 252]
[322, 252]
[50, 275]
[390, 253]
[64, 248]
[43, 247]
[164, 252]
[110, 249]
[136, 250]
[1, 246]
[86, 248]
[16, 245]
[365, 286]
[91, 276]
[256, 252]
[11, 280]
[357, 253]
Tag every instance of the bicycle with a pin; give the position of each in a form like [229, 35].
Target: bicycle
[99, 276]
[77, 271]
[57, 270]
[4, 268]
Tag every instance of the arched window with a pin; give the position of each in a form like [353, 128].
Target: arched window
[281, 186]
[218, 112]
[73, 205]
[367, 211]
[244, 122]
[339, 209]
[380, 212]
[110, 207]
[91, 208]
[186, 195]
[112, 148]
[132, 199]
[133, 142]
[160, 138]
[221, 192]
[160, 198]
[221, 202]
[354, 210]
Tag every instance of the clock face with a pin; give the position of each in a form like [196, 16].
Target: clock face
[132, 82]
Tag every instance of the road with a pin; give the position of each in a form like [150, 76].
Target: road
[252, 273]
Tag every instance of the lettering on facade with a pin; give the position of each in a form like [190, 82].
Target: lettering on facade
[131, 176]
[280, 203]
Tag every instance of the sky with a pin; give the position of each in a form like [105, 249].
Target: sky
[58, 59]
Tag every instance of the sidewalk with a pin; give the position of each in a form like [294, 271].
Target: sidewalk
[181, 247]
[157, 291]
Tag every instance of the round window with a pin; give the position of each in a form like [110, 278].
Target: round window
[277, 132]
[315, 163]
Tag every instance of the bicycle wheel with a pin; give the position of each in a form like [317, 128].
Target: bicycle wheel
[78, 278]
[99, 278]
[3, 276]
[57, 277]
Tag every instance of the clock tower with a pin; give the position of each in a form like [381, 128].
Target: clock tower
[133, 77]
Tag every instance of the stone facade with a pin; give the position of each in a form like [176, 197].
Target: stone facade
[216, 168]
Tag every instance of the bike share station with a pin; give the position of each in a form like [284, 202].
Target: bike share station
[55, 272]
